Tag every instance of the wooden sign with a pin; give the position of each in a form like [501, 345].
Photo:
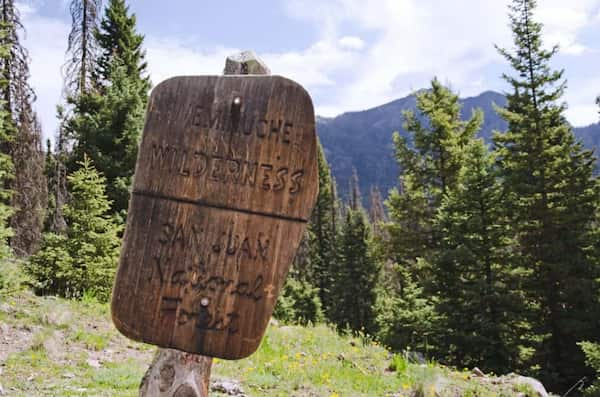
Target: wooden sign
[225, 182]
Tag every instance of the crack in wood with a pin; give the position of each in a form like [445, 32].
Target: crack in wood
[203, 203]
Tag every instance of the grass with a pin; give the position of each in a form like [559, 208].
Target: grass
[34, 373]
[92, 340]
[58, 347]
[312, 361]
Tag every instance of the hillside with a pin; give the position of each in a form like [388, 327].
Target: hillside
[364, 139]
[55, 347]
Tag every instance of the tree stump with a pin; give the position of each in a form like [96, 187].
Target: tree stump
[175, 373]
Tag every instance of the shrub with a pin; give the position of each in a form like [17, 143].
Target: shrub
[298, 303]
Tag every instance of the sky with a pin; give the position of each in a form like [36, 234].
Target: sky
[349, 54]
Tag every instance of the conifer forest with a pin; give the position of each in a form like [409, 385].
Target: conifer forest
[485, 254]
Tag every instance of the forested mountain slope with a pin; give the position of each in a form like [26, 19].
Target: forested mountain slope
[364, 139]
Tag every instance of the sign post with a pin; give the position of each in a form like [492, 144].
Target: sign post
[225, 183]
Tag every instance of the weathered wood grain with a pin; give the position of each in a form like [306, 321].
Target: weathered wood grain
[225, 182]
[177, 374]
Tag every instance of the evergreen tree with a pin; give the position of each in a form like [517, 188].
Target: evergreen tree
[477, 277]
[106, 123]
[82, 46]
[56, 176]
[49, 171]
[322, 233]
[298, 303]
[429, 167]
[24, 137]
[431, 162]
[355, 275]
[84, 259]
[553, 198]
[306, 296]
[120, 44]
[405, 318]
[78, 72]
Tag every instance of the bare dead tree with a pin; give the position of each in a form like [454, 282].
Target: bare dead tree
[377, 211]
[56, 172]
[30, 187]
[82, 47]
[15, 67]
[24, 131]
[355, 196]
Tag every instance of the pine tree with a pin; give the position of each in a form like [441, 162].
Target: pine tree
[306, 296]
[56, 175]
[78, 72]
[24, 137]
[106, 124]
[84, 259]
[477, 278]
[405, 317]
[429, 168]
[355, 275]
[298, 303]
[82, 47]
[322, 233]
[553, 198]
[119, 43]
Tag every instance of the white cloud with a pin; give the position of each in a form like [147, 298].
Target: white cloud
[583, 114]
[367, 51]
[574, 49]
[352, 42]
[416, 40]
[316, 66]
[312, 66]
[46, 41]
[413, 41]
[25, 9]
[562, 22]
[168, 58]
[581, 96]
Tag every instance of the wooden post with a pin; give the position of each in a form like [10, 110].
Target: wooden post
[175, 373]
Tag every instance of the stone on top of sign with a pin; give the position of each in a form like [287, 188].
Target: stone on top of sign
[245, 62]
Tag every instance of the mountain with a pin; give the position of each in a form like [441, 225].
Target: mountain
[364, 139]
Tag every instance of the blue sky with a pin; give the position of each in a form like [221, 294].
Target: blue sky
[349, 54]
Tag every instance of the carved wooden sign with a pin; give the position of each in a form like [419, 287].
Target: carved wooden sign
[225, 182]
